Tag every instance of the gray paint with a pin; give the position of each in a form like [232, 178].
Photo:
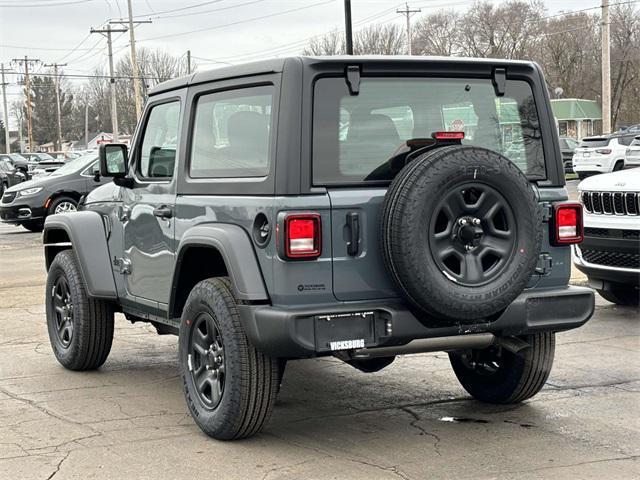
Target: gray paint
[86, 232]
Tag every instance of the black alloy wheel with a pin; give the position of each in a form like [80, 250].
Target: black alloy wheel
[472, 235]
[206, 358]
[63, 310]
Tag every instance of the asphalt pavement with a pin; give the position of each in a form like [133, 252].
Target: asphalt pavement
[410, 421]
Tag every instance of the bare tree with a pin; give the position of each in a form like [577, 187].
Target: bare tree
[329, 44]
[376, 39]
[437, 34]
[380, 40]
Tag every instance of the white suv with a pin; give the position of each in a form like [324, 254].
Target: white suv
[610, 252]
[632, 157]
[601, 154]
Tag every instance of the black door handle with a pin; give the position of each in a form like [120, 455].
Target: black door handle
[163, 211]
[353, 222]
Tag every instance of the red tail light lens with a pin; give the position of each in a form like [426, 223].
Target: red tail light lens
[448, 135]
[604, 151]
[568, 226]
[302, 236]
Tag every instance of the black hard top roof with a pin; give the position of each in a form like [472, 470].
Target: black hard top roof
[277, 64]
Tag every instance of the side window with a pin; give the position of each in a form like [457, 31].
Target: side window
[626, 140]
[231, 134]
[160, 141]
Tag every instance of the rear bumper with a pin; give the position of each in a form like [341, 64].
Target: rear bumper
[292, 333]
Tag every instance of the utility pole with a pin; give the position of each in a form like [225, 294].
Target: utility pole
[348, 33]
[407, 12]
[188, 62]
[134, 60]
[112, 81]
[26, 61]
[86, 126]
[57, 86]
[6, 110]
[606, 69]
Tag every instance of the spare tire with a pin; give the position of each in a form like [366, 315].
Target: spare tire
[461, 232]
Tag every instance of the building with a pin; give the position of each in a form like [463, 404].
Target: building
[104, 137]
[577, 118]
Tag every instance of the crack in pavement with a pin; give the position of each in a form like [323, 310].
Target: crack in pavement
[586, 462]
[55, 472]
[394, 469]
[414, 423]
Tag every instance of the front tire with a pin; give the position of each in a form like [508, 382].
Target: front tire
[63, 205]
[229, 386]
[622, 295]
[497, 375]
[80, 327]
[34, 226]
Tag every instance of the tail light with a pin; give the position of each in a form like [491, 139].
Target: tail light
[302, 235]
[448, 135]
[603, 151]
[568, 226]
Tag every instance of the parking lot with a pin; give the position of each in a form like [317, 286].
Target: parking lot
[412, 420]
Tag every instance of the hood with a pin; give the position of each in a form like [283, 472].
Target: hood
[44, 181]
[621, 181]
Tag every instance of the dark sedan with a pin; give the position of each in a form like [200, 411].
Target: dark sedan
[567, 146]
[9, 176]
[18, 161]
[29, 203]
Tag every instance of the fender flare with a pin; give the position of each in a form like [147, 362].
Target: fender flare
[235, 247]
[86, 232]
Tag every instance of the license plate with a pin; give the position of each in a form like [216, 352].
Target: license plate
[346, 331]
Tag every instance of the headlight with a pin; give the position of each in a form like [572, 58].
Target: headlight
[29, 191]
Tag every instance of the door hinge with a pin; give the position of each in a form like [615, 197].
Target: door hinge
[123, 265]
[545, 264]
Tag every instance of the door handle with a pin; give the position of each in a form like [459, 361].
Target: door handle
[163, 211]
[353, 222]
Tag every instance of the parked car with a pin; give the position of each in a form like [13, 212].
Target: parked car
[9, 175]
[46, 167]
[610, 253]
[245, 222]
[601, 154]
[632, 155]
[29, 203]
[18, 161]
[567, 147]
[37, 157]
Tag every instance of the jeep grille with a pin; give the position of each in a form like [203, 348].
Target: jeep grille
[611, 203]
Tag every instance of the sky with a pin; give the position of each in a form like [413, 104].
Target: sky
[217, 32]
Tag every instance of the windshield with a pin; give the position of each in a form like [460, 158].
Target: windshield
[76, 164]
[594, 142]
[5, 166]
[360, 137]
[17, 156]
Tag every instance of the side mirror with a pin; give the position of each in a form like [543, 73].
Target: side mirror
[113, 160]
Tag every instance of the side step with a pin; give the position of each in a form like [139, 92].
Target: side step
[424, 345]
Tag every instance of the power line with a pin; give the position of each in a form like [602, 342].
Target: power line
[202, 4]
[408, 13]
[44, 5]
[262, 17]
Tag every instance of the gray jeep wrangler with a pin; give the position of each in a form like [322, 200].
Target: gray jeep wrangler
[352, 206]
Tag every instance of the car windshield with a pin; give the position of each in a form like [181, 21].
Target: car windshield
[594, 142]
[6, 166]
[360, 138]
[17, 156]
[76, 164]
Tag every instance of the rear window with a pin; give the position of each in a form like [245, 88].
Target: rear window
[626, 140]
[355, 137]
[594, 142]
[636, 142]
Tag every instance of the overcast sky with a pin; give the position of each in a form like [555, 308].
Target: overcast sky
[221, 30]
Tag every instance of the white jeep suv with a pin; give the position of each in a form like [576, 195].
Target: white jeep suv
[610, 252]
[602, 154]
[632, 158]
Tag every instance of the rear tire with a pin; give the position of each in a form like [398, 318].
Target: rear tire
[230, 387]
[618, 166]
[622, 295]
[80, 327]
[496, 375]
